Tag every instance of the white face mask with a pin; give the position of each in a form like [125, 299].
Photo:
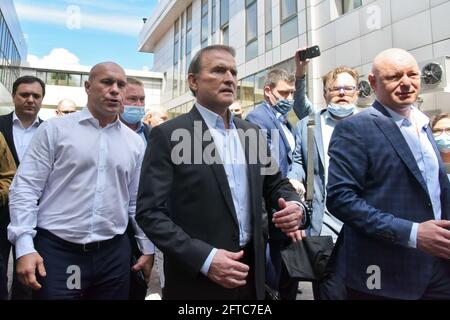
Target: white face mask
[443, 143]
[341, 110]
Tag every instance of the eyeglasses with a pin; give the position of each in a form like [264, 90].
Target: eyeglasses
[67, 112]
[438, 132]
[348, 90]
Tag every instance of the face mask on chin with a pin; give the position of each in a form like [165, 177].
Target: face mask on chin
[132, 114]
[443, 143]
[341, 110]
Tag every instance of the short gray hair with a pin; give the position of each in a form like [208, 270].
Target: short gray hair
[195, 65]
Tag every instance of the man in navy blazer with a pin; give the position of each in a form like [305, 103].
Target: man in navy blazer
[18, 127]
[387, 183]
[271, 115]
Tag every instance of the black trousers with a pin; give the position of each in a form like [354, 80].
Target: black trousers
[248, 291]
[72, 274]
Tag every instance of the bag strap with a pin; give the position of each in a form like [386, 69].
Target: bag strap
[310, 161]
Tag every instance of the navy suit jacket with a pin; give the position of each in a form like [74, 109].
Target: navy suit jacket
[6, 128]
[266, 119]
[375, 187]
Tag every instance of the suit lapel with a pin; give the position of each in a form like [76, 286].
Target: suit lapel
[393, 134]
[9, 137]
[217, 168]
[318, 139]
[280, 130]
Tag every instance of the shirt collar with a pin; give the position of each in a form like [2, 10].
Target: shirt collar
[421, 119]
[86, 115]
[212, 119]
[16, 119]
[140, 127]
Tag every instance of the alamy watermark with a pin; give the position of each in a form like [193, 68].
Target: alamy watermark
[74, 280]
[374, 280]
[73, 14]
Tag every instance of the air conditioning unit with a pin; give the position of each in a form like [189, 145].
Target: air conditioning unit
[365, 89]
[366, 95]
[435, 75]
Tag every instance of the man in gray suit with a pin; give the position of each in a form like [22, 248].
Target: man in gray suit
[340, 94]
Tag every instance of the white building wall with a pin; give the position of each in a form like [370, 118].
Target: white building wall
[353, 39]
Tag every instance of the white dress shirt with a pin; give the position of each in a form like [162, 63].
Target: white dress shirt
[85, 178]
[22, 136]
[414, 130]
[232, 157]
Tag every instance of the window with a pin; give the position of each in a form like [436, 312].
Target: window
[188, 42]
[259, 86]
[224, 12]
[225, 35]
[247, 95]
[348, 5]
[74, 80]
[176, 41]
[9, 56]
[176, 52]
[268, 24]
[288, 18]
[251, 35]
[224, 21]
[213, 17]
[204, 28]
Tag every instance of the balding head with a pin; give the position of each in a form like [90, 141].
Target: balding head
[395, 79]
[101, 67]
[65, 106]
[105, 90]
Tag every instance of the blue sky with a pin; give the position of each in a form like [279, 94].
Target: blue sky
[85, 32]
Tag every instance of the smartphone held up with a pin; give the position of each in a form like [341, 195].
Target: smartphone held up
[309, 53]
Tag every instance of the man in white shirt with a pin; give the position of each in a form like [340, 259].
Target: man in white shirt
[18, 128]
[73, 196]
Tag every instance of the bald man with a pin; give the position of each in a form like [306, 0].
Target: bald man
[73, 196]
[65, 106]
[388, 185]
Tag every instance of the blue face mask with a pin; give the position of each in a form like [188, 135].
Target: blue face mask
[443, 143]
[132, 114]
[283, 106]
[341, 110]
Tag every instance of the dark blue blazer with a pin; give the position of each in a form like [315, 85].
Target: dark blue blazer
[375, 187]
[265, 118]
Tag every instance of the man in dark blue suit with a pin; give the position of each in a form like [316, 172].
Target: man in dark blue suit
[271, 115]
[131, 115]
[387, 183]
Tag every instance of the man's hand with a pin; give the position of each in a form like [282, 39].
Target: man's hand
[144, 263]
[433, 237]
[297, 235]
[227, 271]
[289, 217]
[301, 66]
[299, 187]
[26, 270]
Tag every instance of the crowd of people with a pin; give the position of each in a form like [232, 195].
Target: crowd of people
[87, 197]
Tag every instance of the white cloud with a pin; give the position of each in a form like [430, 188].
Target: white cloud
[69, 18]
[58, 57]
